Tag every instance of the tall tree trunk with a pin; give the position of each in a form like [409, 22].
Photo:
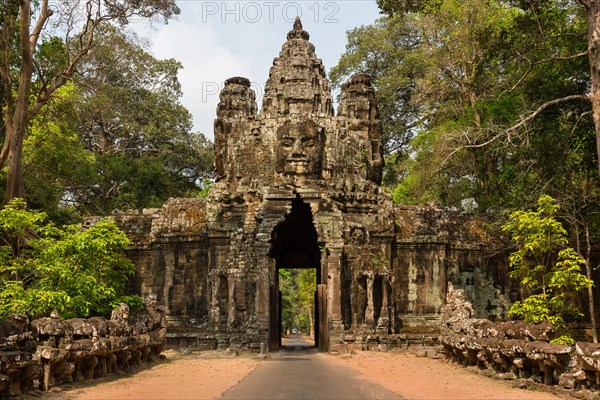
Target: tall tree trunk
[588, 272]
[16, 129]
[14, 182]
[593, 23]
[17, 114]
[312, 322]
[18, 111]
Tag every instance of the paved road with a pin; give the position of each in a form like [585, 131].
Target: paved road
[299, 371]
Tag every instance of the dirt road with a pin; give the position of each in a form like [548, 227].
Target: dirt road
[196, 376]
[372, 374]
[298, 371]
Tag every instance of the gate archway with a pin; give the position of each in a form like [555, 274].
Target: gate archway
[294, 244]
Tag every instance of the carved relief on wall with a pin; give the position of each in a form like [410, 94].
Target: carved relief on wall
[358, 235]
[300, 148]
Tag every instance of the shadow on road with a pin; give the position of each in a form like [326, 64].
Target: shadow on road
[296, 342]
[300, 371]
[294, 346]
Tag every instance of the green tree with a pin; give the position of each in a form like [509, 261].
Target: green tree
[56, 165]
[289, 295]
[483, 95]
[485, 82]
[31, 85]
[78, 271]
[297, 288]
[307, 284]
[144, 153]
[545, 267]
[592, 8]
[540, 38]
[386, 52]
[115, 138]
[440, 74]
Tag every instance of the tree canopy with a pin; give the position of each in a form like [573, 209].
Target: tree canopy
[79, 272]
[297, 299]
[492, 99]
[113, 136]
[489, 105]
[91, 122]
[34, 65]
[546, 267]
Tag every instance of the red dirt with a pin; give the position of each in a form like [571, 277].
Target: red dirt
[425, 378]
[208, 375]
[198, 376]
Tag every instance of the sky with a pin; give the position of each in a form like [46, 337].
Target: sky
[216, 40]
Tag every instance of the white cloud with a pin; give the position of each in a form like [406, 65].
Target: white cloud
[206, 65]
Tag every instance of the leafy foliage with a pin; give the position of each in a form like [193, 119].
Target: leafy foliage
[297, 298]
[31, 71]
[552, 276]
[80, 272]
[384, 50]
[114, 138]
[457, 79]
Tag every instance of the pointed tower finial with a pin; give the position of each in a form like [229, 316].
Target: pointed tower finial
[297, 32]
[297, 24]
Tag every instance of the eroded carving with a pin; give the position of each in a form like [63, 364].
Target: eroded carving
[50, 351]
[299, 186]
[515, 349]
[299, 149]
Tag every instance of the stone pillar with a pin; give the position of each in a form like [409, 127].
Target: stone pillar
[334, 283]
[370, 310]
[237, 102]
[334, 300]
[384, 314]
[169, 262]
[231, 300]
[262, 288]
[215, 311]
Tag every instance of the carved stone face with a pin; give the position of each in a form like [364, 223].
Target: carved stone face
[299, 149]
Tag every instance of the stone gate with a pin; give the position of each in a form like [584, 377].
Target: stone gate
[298, 186]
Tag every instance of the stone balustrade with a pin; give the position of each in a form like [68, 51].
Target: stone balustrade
[49, 351]
[514, 349]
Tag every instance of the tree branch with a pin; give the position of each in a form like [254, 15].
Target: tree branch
[585, 3]
[534, 63]
[45, 13]
[520, 124]
[86, 40]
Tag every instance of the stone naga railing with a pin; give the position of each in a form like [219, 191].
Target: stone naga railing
[49, 351]
[514, 349]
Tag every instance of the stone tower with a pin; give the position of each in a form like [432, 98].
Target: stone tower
[298, 186]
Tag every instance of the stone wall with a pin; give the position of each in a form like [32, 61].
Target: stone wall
[298, 186]
[514, 349]
[49, 351]
[434, 246]
[206, 282]
[171, 253]
[431, 247]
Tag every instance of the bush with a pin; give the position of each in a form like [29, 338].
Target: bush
[79, 272]
[546, 267]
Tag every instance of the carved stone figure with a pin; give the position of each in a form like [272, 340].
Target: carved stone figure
[299, 148]
[456, 311]
[298, 186]
[49, 351]
[118, 324]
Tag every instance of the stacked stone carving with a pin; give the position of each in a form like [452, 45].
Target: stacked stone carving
[514, 349]
[294, 163]
[298, 186]
[50, 351]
